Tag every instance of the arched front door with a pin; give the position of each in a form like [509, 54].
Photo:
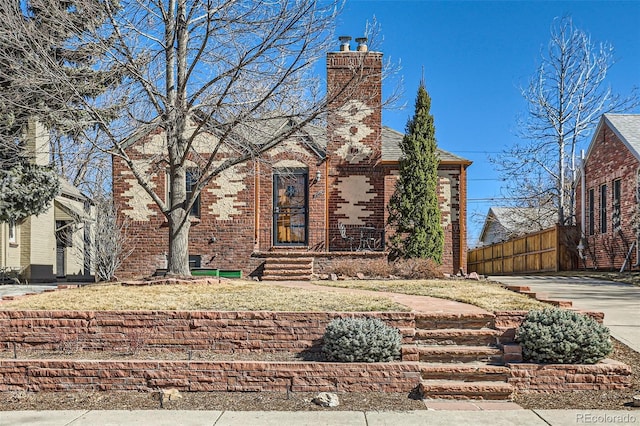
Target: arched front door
[290, 201]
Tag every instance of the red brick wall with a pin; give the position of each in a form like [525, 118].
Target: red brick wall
[609, 160]
[234, 238]
[454, 253]
[355, 76]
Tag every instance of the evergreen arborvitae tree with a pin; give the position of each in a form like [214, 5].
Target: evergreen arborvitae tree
[414, 212]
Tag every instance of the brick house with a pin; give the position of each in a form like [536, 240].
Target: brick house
[607, 193]
[317, 196]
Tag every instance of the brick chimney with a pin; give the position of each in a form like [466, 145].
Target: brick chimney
[354, 136]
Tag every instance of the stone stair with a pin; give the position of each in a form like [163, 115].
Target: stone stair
[287, 268]
[460, 357]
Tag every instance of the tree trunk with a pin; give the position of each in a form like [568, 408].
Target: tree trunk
[179, 224]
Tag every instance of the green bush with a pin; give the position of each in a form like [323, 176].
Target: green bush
[558, 336]
[361, 340]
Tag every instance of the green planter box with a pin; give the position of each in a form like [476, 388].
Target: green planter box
[204, 272]
[230, 273]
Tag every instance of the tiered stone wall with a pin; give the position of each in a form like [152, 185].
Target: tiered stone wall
[207, 376]
[233, 332]
[223, 332]
[548, 378]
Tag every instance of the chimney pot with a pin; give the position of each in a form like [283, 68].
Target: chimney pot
[362, 44]
[344, 43]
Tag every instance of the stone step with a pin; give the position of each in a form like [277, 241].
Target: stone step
[430, 321]
[460, 354]
[445, 336]
[476, 372]
[287, 271]
[453, 389]
[284, 268]
[274, 277]
[289, 260]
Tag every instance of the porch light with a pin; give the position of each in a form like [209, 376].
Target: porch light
[318, 175]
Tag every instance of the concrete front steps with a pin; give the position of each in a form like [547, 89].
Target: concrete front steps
[460, 357]
[285, 268]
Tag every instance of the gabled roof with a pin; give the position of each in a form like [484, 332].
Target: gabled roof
[391, 151]
[625, 126]
[519, 220]
[313, 136]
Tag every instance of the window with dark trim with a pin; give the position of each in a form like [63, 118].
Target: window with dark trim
[191, 181]
[603, 209]
[12, 232]
[592, 210]
[615, 214]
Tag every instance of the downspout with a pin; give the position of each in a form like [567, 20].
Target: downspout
[5, 244]
[462, 203]
[326, 204]
[256, 212]
[637, 212]
[583, 211]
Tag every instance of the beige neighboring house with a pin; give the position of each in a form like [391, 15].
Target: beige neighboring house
[56, 244]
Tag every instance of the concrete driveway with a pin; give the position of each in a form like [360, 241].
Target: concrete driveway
[619, 302]
[18, 289]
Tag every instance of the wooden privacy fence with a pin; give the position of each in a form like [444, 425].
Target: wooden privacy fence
[550, 250]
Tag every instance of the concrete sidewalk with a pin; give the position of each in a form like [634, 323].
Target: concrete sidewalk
[618, 301]
[318, 418]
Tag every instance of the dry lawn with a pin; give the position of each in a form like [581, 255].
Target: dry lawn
[487, 295]
[228, 296]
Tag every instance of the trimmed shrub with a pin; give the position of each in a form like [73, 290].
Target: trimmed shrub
[361, 340]
[558, 336]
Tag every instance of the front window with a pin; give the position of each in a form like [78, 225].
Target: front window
[592, 210]
[615, 215]
[12, 232]
[603, 209]
[191, 181]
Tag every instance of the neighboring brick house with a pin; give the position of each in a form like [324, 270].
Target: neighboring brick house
[608, 205]
[294, 200]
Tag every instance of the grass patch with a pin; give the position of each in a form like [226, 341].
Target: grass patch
[231, 296]
[487, 295]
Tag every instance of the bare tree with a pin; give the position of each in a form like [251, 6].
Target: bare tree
[566, 97]
[238, 70]
[110, 238]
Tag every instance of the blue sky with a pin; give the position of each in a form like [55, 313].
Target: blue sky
[476, 55]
